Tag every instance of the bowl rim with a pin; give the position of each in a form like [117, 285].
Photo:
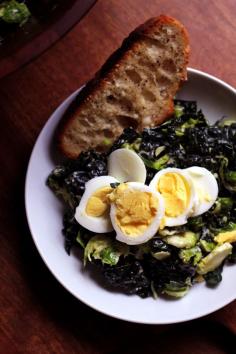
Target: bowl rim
[83, 300]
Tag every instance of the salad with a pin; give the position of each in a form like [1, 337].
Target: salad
[14, 12]
[156, 213]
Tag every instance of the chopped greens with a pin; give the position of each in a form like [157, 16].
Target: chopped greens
[157, 164]
[193, 255]
[104, 248]
[176, 257]
[214, 278]
[14, 12]
[188, 239]
[214, 259]
[176, 289]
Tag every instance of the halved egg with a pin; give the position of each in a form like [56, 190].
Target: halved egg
[136, 212]
[206, 189]
[93, 209]
[177, 190]
[126, 166]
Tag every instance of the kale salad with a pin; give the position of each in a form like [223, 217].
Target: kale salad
[181, 250]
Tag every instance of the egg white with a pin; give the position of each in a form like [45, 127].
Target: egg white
[205, 184]
[126, 166]
[182, 218]
[100, 224]
[151, 229]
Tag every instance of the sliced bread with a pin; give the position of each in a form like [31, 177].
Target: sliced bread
[135, 87]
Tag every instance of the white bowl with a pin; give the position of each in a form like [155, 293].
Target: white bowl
[44, 213]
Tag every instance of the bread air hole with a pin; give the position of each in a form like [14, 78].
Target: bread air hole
[108, 133]
[169, 66]
[123, 103]
[133, 76]
[163, 82]
[148, 95]
[155, 42]
[126, 121]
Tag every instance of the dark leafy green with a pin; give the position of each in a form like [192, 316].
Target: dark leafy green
[68, 180]
[214, 278]
[162, 265]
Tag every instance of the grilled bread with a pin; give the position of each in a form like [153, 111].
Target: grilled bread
[135, 87]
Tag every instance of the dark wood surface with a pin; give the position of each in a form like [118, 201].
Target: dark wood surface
[38, 34]
[36, 314]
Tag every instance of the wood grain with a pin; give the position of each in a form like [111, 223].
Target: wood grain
[37, 314]
[35, 37]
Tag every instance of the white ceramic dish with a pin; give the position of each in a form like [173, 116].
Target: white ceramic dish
[44, 213]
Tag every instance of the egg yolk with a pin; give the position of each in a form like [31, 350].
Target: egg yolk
[98, 203]
[135, 209]
[176, 193]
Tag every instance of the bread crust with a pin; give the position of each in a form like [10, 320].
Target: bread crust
[114, 63]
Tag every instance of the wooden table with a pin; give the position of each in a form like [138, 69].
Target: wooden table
[36, 314]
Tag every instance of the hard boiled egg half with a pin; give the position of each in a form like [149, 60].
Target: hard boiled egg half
[126, 166]
[94, 208]
[136, 212]
[176, 188]
[206, 189]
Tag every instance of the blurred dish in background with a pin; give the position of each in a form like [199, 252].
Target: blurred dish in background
[27, 28]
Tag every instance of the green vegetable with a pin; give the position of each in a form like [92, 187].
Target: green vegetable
[157, 164]
[226, 122]
[80, 240]
[228, 177]
[176, 289]
[189, 124]
[214, 259]
[159, 150]
[192, 254]
[171, 231]
[196, 223]
[13, 11]
[141, 250]
[110, 256]
[133, 146]
[127, 146]
[107, 141]
[106, 249]
[187, 239]
[160, 255]
[136, 144]
[207, 246]
[61, 192]
[230, 227]
[214, 278]
[179, 110]
[154, 292]
[223, 205]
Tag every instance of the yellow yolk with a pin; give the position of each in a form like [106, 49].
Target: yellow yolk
[176, 192]
[228, 236]
[98, 203]
[162, 223]
[135, 209]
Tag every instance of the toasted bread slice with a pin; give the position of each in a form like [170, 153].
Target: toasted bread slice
[135, 87]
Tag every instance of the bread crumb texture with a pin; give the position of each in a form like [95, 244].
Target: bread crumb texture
[136, 90]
